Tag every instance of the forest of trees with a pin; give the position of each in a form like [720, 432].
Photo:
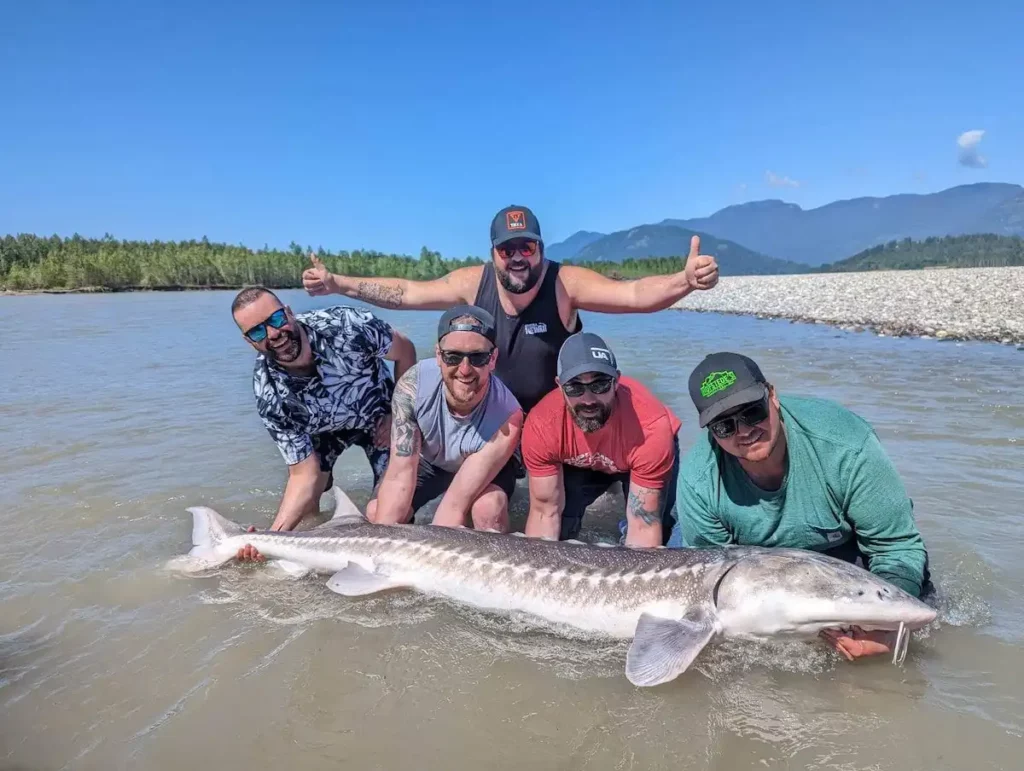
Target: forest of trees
[983, 250]
[29, 262]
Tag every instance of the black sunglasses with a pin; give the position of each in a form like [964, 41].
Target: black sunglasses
[575, 388]
[258, 333]
[751, 415]
[476, 358]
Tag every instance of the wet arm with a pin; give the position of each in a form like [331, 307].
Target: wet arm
[643, 516]
[394, 498]
[883, 519]
[547, 499]
[299, 493]
[699, 524]
[478, 471]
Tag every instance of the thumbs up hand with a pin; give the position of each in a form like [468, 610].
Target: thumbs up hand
[317, 280]
[701, 269]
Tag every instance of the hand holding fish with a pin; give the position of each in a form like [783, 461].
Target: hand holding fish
[857, 643]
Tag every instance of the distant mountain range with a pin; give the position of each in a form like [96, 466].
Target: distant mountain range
[759, 231]
[673, 241]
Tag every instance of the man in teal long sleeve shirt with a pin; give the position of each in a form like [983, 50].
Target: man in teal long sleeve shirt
[796, 472]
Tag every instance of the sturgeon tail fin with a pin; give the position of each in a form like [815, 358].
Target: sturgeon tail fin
[209, 532]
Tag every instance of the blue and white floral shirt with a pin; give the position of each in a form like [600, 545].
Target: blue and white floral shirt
[352, 390]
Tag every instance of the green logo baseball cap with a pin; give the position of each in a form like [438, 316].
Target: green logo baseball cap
[724, 381]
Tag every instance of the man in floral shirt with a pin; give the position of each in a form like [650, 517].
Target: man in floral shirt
[321, 386]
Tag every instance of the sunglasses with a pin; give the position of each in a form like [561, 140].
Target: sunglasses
[755, 413]
[258, 333]
[476, 358]
[575, 388]
[525, 248]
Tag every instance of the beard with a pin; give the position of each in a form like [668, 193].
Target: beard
[590, 417]
[462, 393]
[513, 283]
[286, 348]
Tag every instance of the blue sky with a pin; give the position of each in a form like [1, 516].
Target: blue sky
[394, 125]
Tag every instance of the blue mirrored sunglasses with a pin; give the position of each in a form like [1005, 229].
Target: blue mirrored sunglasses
[258, 333]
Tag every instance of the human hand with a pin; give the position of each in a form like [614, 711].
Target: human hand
[249, 553]
[857, 643]
[317, 280]
[701, 269]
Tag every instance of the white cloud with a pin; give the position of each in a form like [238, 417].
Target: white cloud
[774, 180]
[968, 154]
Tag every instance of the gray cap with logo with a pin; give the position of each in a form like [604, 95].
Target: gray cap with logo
[585, 352]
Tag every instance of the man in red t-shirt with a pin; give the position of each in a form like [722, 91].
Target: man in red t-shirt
[596, 428]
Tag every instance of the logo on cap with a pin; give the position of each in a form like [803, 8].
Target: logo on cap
[515, 220]
[601, 353]
[717, 381]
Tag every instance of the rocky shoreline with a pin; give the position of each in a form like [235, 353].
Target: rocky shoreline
[985, 304]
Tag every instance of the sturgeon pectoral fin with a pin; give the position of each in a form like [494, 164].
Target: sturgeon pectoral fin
[353, 581]
[663, 648]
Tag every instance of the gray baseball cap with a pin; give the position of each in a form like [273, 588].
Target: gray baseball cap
[585, 352]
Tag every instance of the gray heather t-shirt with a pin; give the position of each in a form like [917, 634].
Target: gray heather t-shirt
[449, 439]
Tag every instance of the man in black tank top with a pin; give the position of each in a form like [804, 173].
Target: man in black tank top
[535, 301]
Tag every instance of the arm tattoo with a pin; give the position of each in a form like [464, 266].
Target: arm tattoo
[405, 433]
[635, 504]
[379, 294]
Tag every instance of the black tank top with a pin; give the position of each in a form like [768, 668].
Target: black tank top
[528, 344]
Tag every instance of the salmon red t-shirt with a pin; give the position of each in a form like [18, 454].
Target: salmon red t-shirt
[639, 437]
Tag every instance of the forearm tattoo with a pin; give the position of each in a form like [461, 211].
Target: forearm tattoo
[379, 294]
[636, 507]
[405, 433]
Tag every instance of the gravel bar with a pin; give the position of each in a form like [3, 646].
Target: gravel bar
[950, 303]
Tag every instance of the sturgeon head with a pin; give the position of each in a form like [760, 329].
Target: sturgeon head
[760, 594]
[790, 592]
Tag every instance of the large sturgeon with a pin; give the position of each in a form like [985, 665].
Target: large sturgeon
[671, 602]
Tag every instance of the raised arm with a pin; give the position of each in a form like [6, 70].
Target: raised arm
[478, 471]
[459, 286]
[588, 290]
[394, 496]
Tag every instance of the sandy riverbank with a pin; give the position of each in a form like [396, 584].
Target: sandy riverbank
[954, 304]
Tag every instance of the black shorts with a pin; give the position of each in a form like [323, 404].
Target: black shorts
[330, 445]
[583, 486]
[432, 482]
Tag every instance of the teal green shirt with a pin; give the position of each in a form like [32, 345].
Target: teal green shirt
[841, 493]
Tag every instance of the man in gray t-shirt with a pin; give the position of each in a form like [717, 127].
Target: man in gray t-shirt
[454, 431]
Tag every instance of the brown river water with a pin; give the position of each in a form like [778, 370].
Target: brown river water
[119, 411]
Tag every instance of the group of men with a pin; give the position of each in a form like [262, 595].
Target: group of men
[516, 388]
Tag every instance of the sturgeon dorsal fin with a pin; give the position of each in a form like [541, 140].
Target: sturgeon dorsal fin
[345, 512]
[664, 648]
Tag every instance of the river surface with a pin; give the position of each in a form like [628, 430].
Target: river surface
[119, 411]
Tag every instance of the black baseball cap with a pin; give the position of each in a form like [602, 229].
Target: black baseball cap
[723, 381]
[585, 352]
[514, 222]
[484, 324]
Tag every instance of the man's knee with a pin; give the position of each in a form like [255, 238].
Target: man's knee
[490, 510]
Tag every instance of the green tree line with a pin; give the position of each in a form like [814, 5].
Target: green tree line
[984, 250]
[31, 262]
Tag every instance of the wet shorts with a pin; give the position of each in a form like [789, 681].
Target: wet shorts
[330, 445]
[432, 482]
